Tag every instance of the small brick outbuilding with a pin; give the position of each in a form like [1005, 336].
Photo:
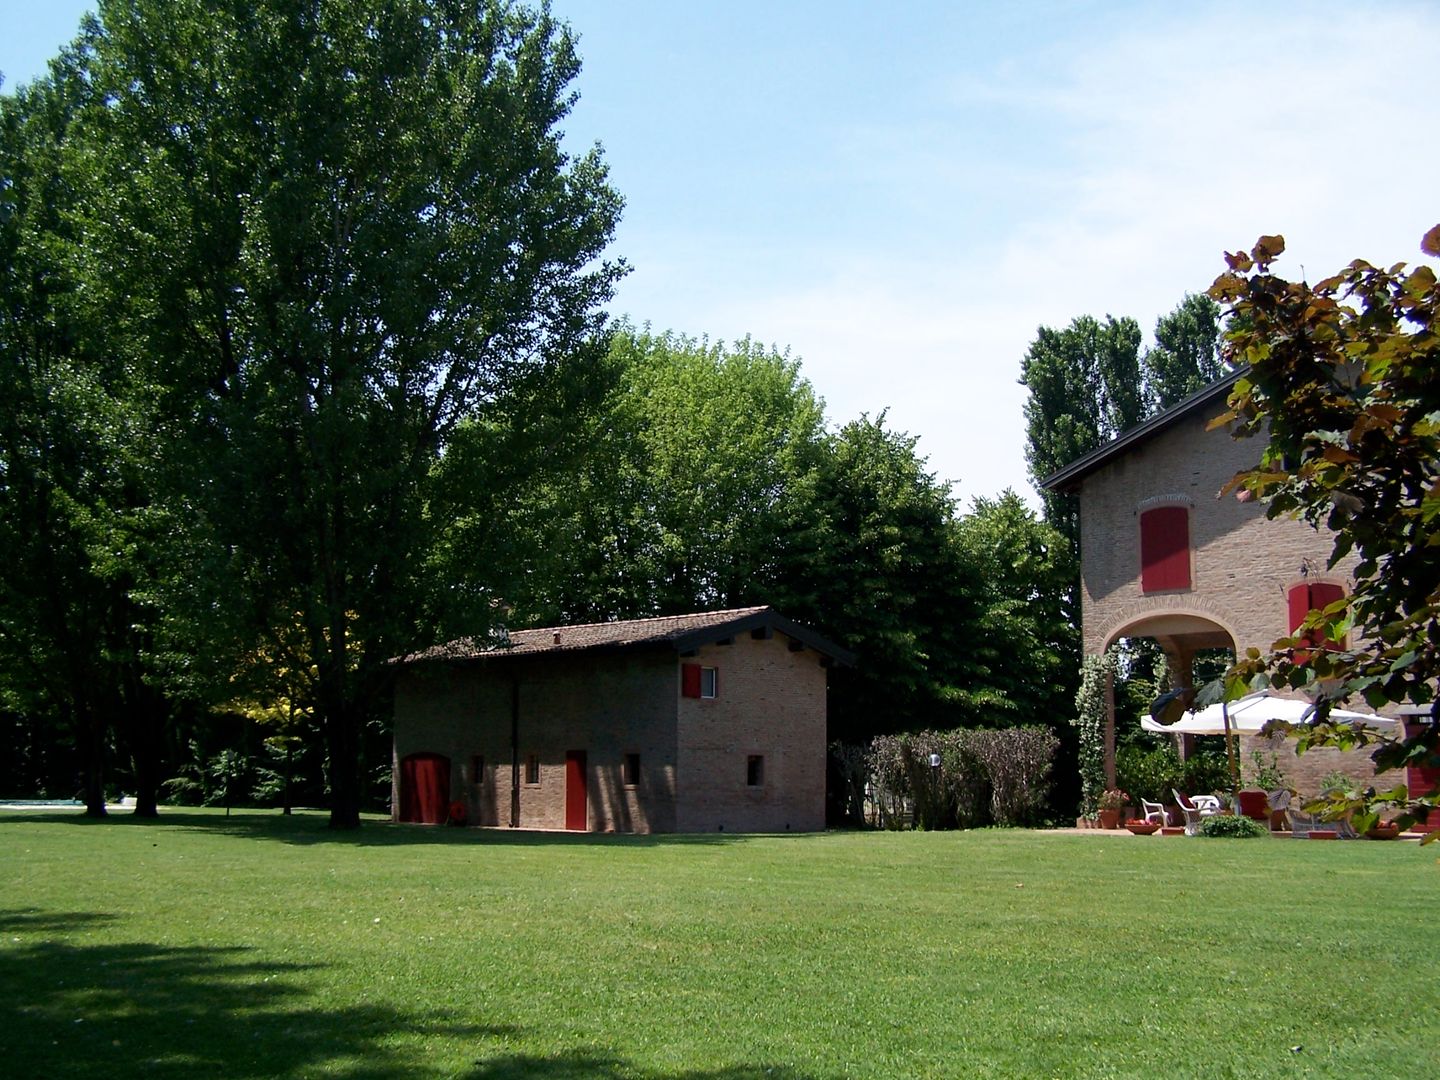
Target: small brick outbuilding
[687, 723]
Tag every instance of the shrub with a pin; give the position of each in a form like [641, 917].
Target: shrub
[1149, 773]
[1232, 825]
[986, 777]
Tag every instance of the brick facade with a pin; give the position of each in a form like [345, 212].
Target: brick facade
[1243, 564]
[693, 754]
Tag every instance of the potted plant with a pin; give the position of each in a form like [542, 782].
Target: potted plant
[1141, 827]
[1268, 779]
[1112, 801]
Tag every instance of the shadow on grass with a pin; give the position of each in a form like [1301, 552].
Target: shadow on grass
[311, 829]
[160, 1012]
[599, 1067]
[107, 1010]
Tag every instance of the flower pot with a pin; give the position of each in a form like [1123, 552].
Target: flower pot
[1142, 828]
[1385, 831]
[1324, 834]
[1109, 819]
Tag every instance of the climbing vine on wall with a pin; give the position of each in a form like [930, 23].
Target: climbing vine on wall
[1090, 720]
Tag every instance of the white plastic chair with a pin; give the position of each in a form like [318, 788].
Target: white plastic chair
[1154, 811]
[1201, 806]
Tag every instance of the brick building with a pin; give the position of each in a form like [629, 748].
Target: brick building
[689, 723]
[1163, 556]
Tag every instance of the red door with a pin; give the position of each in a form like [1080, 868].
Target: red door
[425, 788]
[575, 802]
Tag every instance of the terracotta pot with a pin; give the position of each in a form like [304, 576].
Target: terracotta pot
[1385, 831]
[1109, 819]
[1142, 828]
[1324, 834]
[1172, 830]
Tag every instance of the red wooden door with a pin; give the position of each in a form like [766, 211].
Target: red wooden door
[425, 788]
[575, 801]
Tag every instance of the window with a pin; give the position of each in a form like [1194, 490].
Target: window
[630, 770]
[477, 769]
[699, 682]
[755, 770]
[1313, 596]
[532, 769]
[1165, 549]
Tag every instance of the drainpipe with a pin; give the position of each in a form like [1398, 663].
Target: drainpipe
[515, 752]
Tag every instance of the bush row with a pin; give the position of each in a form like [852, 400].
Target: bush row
[984, 777]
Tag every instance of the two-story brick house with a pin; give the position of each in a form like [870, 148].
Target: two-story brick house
[689, 723]
[1164, 556]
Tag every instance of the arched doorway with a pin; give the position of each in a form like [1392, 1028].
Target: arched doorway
[425, 788]
[1182, 635]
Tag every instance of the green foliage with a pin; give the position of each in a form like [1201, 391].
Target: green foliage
[1268, 776]
[1187, 356]
[999, 777]
[300, 244]
[1341, 380]
[1150, 773]
[1085, 388]
[1232, 825]
[1090, 712]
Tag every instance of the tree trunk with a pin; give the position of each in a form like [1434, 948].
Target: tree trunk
[92, 729]
[145, 725]
[342, 737]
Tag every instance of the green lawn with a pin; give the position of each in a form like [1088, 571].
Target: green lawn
[260, 946]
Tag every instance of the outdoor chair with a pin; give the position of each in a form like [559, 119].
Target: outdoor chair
[1201, 806]
[1279, 800]
[1303, 823]
[1154, 811]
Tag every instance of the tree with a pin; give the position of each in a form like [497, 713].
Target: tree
[1343, 380]
[1187, 356]
[1085, 388]
[672, 489]
[74, 492]
[325, 234]
[1024, 631]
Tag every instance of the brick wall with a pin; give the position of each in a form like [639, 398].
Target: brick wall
[770, 704]
[1243, 564]
[693, 752]
[606, 706]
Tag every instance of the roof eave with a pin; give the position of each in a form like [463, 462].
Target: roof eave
[1069, 477]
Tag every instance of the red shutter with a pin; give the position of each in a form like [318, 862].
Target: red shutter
[1165, 549]
[1299, 605]
[1322, 595]
[690, 680]
[1307, 597]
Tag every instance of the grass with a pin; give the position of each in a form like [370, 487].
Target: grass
[261, 946]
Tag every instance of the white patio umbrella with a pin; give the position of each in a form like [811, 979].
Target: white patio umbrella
[1252, 712]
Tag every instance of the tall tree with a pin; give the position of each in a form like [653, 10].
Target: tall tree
[1187, 354]
[74, 492]
[1085, 388]
[327, 233]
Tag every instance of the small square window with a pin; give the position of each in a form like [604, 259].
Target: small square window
[630, 770]
[755, 770]
[709, 682]
[532, 769]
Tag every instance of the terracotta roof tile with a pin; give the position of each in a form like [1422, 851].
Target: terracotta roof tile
[664, 629]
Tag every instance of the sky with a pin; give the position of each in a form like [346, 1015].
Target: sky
[901, 194]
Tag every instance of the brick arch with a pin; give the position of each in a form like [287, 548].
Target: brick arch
[1153, 609]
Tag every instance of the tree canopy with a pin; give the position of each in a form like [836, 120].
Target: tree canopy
[308, 240]
[1343, 381]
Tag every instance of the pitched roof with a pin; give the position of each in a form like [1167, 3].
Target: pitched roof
[1068, 478]
[680, 632]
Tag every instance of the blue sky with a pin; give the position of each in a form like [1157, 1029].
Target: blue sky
[900, 194]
